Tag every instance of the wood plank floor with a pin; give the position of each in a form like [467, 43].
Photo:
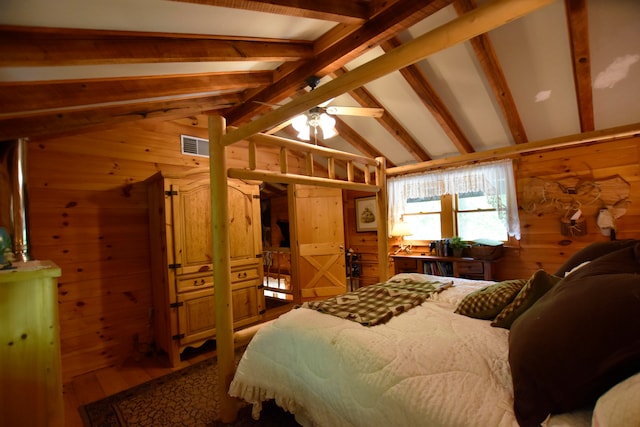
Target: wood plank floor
[99, 384]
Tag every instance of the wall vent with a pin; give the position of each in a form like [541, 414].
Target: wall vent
[194, 146]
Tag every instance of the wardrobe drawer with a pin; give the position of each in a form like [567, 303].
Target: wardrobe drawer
[194, 282]
[245, 273]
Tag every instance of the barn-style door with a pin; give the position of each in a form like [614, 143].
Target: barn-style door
[318, 241]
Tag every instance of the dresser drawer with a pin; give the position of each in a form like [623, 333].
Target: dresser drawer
[470, 268]
[405, 265]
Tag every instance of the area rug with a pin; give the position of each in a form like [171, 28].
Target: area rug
[184, 398]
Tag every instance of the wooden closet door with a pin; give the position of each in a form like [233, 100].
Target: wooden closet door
[245, 236]
[191, 215]
[318, 241]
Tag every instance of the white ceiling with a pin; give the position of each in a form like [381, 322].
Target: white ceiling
[534, 53]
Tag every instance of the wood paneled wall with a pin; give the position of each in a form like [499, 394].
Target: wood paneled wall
[88, 214]
[542, 245]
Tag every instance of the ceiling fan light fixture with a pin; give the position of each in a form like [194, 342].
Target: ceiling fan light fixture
[327, 124]
[303, 124]
[300, 124]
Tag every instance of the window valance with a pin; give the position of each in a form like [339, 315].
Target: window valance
[495, 179]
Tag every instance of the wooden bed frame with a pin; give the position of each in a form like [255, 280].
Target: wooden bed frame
[465, 27]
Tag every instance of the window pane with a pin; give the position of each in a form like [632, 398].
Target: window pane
[423, 205]
[424, 226]
[472, 202]
[478, 225]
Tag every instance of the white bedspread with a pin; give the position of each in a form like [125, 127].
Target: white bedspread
[426, 367]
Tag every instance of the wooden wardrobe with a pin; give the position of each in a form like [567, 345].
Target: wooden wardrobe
[182, 261]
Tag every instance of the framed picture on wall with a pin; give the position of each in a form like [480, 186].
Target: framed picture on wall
[366, 214]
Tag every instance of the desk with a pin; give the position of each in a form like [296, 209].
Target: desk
[469, 268]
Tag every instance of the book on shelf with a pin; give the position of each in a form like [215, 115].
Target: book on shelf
[438, 268]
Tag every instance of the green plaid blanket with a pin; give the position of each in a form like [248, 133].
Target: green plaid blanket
[377, 304]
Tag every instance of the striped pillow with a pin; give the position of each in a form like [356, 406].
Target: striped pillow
[488, 302]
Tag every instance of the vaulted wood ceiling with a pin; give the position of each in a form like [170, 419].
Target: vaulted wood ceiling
[77, 65]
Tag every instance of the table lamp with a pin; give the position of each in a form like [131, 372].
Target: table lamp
[401, 229]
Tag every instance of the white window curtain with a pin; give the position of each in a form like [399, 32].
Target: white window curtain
[494, 179]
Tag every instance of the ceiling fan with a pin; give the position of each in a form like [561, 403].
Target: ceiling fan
[320, 118]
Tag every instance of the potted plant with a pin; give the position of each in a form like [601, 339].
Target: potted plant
[457, 245]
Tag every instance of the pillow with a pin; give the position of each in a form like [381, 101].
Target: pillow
[537, 285]
[619, 407]
[574, 344]
[487, 302]
[625, 260]
[593, 251]
[576, 268]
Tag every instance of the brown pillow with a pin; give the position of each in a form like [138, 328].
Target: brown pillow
[625, 260]
[593, 251]
[573, 344]
[487, 302]
[537, 285]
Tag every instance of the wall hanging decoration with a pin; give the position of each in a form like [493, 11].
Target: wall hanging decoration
[575, 200]
[366, 214]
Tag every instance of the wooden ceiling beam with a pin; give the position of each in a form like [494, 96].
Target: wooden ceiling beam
[348, 12]
[484, 18]
[602, 135]
[36, 46]
[488, 59]
[363, 97]
[430, 99]
[28, 96]
[347, 133]
[387, 23]
[58, 123]
[578, 24]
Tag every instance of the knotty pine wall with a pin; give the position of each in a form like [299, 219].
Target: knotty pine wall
[88, 214]
[542, 246]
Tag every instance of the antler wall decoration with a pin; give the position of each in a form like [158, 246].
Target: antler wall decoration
[574, 198]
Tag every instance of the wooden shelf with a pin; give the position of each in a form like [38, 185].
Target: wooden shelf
[469, 268]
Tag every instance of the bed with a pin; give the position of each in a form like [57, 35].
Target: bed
[433, 366]
[356, 168]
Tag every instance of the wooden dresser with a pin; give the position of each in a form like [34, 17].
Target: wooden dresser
[182, 260]
[30, 361]
[469, 268]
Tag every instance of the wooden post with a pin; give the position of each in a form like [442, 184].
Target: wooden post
[221, 268]
[382, 203]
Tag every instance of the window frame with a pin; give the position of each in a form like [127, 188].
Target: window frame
[449, 209]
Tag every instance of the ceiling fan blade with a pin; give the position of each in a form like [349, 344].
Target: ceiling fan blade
[268, 104]
[278, 128]
[356, 111]
[325, 103]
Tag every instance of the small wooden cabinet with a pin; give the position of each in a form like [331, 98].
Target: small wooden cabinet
[469, 268]
[30, 360]
[182, 260]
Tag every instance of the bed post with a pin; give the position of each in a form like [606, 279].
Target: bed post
[382, 202]
[221, 268]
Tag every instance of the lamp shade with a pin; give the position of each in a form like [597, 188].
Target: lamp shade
[401, 229]
[303, 124]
